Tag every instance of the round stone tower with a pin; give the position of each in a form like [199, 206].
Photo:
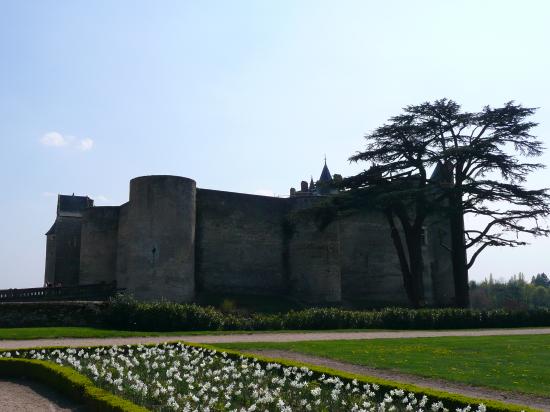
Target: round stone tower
[157, 239]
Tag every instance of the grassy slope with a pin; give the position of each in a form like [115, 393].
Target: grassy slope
[518, 363]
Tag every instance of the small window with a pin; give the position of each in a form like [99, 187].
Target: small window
[424, 236]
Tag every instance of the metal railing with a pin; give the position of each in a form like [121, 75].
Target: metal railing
[100, 291]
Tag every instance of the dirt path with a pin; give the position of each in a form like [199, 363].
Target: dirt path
[532, 401]
[21, 395]
[266, 337]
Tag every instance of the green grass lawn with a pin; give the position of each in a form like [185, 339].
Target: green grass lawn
[76, 332]
[517, 363]
[86, 332]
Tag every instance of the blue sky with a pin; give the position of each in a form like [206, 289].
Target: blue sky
[243, 96]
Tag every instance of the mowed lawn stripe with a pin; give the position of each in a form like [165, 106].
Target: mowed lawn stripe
[515, 363]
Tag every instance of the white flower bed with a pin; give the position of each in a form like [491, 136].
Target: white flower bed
[183, 378]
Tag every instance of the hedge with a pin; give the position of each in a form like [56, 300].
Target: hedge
[69, 382]
[127, 313]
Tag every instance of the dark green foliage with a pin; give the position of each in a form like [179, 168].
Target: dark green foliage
[516, 293]
[126, 313]
[541, 280]
[248, 303]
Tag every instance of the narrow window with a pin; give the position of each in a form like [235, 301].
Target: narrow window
[424, 236]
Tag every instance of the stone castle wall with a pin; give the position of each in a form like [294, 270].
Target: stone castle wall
[370, 268]
[315, 255]
[66, 252]
[99, 244]
[240, 243]
[174, 241]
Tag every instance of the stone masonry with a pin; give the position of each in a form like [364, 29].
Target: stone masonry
[174, 241]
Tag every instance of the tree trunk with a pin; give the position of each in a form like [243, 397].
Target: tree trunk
[408, 280]
[458, 254]
[412, 269]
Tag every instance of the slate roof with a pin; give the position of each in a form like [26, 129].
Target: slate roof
[325, 174]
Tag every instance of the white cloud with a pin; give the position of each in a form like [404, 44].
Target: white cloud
[56, 139]
[53, 139]
[85, 144]
[264, 192]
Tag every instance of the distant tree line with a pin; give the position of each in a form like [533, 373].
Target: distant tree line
[516, 293]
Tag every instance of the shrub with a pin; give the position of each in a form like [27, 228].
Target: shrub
[127, 313]
[124, 312]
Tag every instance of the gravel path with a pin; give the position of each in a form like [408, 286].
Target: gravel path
[533, 401]
[21, 395]
[266, 337]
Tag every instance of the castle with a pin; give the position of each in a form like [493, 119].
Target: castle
[174, 241]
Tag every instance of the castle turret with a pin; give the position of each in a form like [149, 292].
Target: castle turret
[156, 239]
[324, 185]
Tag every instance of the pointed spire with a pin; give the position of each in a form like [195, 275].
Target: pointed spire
[311, 185]
[325, 174]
